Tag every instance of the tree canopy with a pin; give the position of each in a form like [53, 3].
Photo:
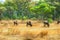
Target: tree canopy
[25, 9]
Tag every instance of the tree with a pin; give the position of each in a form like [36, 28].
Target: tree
[43, 9]
[2, 9]
[55, 3]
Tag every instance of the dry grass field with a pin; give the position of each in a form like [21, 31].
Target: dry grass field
[9, 31]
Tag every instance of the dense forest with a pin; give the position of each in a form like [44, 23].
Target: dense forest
[27, 9]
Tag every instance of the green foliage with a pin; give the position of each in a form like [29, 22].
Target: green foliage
[44, 9]
[33, 18]
[23, 9]
[50, 20]
[25, 17]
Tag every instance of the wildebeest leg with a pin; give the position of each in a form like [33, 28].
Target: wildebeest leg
[27, 25]
[44, 25]
[48, 25]
[58, 22]
[30, 25]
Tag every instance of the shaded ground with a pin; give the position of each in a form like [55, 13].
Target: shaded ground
[8, 31]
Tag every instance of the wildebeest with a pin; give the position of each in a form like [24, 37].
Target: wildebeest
[29, 23]
[46, 23]
[15, 23]
[58, 21]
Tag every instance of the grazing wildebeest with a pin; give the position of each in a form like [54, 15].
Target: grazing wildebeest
[15, 23]
[58, 21]
[46, 23]
[29, 23]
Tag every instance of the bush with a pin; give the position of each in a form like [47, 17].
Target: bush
[43, 33]
[33, 18]
[50, 20]
[25, 17]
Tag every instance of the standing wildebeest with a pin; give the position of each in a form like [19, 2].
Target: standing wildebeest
[29, 23]
[46, 23]
[58, 21]
[15, 23]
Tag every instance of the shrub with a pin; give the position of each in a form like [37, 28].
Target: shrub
[43, 33]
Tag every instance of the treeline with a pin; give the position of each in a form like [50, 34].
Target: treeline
[25, 9]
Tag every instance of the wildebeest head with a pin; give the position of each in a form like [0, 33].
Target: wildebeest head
[58, 21]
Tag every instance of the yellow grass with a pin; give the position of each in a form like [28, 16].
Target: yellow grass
[9, 31]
